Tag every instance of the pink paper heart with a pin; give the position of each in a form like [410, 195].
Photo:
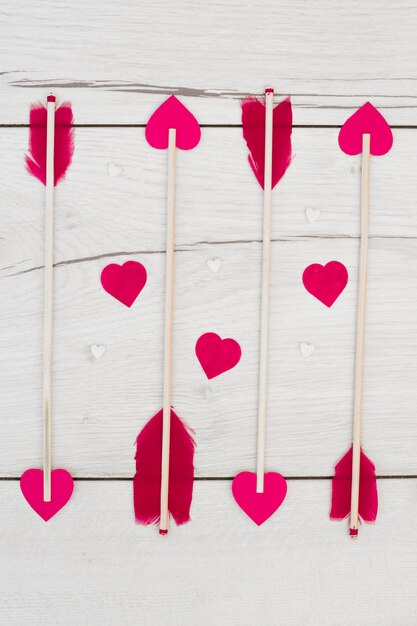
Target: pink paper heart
[325, 282]
[124, 282]
[62, 486]
[366, 120]
[172, 114]
[259, 506]
[217, 355]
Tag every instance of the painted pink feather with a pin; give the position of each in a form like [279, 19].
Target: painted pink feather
[253, 123]
[147, 480]
[341, 489]
[64, 142]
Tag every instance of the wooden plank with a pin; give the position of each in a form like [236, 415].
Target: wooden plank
[100, 405]
[332, 57]
[92, 565]
[219, 199]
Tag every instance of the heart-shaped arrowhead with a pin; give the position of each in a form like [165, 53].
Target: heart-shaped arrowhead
[325, 282]
[259, 506]
[172, 114]
[366, 120]
[217, 355]
[124, 282]
[62, 486]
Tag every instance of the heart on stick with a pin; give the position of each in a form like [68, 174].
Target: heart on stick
[62, 486]
[173, 114]
[259, 506]
[325, 282]
[366, 120]
[124, 282]
[217, 355]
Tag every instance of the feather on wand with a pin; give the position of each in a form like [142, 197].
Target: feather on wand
[164, 477]
[354, 486]
[267, 131]
[147, 480]
[51, 146]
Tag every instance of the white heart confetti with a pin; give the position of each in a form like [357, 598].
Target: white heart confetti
[114, 170]
[214, 264]
[97, 351]
[307, 349]
[312, 215]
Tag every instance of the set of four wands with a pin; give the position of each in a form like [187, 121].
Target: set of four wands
[163, 483]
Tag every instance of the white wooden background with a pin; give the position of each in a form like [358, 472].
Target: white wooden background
[116, 61]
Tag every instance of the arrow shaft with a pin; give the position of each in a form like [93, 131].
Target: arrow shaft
[48, 300]
[266, 271]
[169, 298]
[360, 336]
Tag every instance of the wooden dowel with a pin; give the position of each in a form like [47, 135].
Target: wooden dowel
[266, 270]
[360, 336]
[48, 299]
[169, 293]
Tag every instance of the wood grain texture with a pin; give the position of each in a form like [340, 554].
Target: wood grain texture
[116, 61]
[218, 199]
[91, 566]
[100, 406]
[330, 56]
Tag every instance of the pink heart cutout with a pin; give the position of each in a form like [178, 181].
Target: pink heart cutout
[325, 282]
[62, 486]
[366, 120]
[172, 114]
[259, 506]
[217, 355]
[124, 282]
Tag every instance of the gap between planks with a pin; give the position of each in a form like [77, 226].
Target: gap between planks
[336, 126]
[214, 478]
[194, 247]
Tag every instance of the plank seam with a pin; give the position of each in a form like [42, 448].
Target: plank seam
[194, 247]
[214, 478]
[305, 126]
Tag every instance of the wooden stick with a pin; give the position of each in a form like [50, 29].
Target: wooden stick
[266, 270]
[48, 299]
[360, 337]
[169, 293]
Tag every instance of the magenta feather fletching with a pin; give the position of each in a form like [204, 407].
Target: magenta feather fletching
[64, 142]
[341, 489]
[253, 124]
[147, 480]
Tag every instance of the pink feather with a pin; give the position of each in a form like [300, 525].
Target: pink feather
[341, 488]
[147, 480]
[253, 123]
[64, 142]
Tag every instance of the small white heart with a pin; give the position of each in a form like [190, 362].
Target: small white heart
[214, 264]
[114, 170]
[97, 351]
[312, 215]
[307, 349]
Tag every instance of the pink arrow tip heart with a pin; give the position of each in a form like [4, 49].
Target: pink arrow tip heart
[366, 120]
[325, 282]
[62, 486]
[217, 355]
[172, 114]
[259, 506]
